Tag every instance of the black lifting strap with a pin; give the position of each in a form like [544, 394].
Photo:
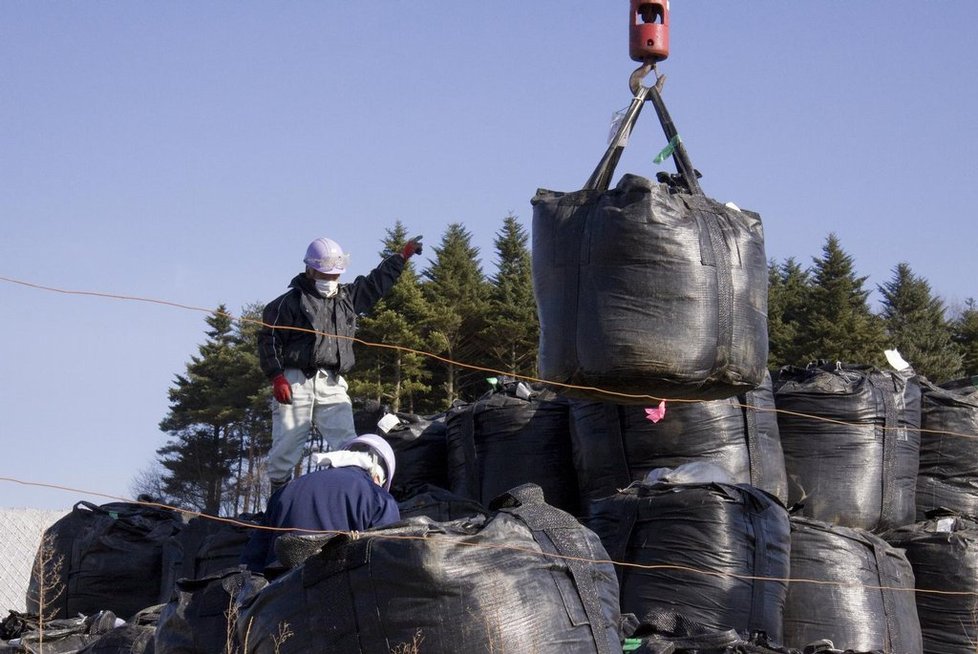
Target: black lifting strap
[600, 179]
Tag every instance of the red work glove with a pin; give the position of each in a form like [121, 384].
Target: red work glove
[282, 389]
[412, 247]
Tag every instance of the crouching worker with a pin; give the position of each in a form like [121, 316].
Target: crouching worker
[349, 492]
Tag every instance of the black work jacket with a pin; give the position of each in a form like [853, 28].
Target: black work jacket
[303, 307]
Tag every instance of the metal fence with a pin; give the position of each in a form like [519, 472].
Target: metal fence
[20, 535]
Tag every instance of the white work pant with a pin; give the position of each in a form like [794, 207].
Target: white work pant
[322, 398]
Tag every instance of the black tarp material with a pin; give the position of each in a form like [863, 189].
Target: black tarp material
[711, 540]
[111, 557]
[209, 546]
[439, 504]
[943, 553]
[948, 475]
[614, 445]
[502, 441]
[196, 620]
[851, 587]
[645, 291]
[521, 581]
[851, 442]
[127, 639]
[58, 636]
[682, 636]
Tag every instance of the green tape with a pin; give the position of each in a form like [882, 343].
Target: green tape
[668, 150]
[631, 644]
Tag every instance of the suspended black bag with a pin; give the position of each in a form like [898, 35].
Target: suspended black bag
[647, 290]
[201, 619]
[614, 445]
[520, 581]
[851, 441]
[849, 586]
[439, 504]
[948, 474]
[943, 553]
[502, 441]
[113, 557]
[713, 541]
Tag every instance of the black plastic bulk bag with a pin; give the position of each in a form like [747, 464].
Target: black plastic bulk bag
[851, 441]
[719, 553]
[502, 441]
[439, 504]
[643, 290]
[418, 442]
[209, 545]
[851, 587]
[948, 474]
[614, 445]
[421, 453]
[523, 580]
[115, 557]
[943, 553]
[202, 616]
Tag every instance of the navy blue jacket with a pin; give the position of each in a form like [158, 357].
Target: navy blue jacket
[331, 499]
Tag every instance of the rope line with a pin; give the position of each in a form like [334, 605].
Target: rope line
[432, 355]
[430, 538]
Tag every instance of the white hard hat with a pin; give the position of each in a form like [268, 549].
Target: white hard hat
[383, 450]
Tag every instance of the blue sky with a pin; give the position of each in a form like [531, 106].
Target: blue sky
[189, 151]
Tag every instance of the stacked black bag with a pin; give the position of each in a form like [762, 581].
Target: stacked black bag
[948, 476]
[115, 557]
[614, 445]
[851, 441]
[716, 554]
[513, 436]
[943, 552]
[851, 587]
[528, 579]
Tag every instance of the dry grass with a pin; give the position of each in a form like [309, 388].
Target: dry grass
[284, 633]
[414, 647]
[48, 570]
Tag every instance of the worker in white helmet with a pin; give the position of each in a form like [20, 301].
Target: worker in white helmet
[348, 491]
[304, 348]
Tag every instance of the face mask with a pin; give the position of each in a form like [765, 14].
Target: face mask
[327, 287]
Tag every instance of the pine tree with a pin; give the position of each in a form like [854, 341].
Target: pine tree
[788, 290]
[207, 405]
[965, 331]
[457, 296]
[838, 324]
[916, 326]
[255, 429]
[512, 329]
[393, 376]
